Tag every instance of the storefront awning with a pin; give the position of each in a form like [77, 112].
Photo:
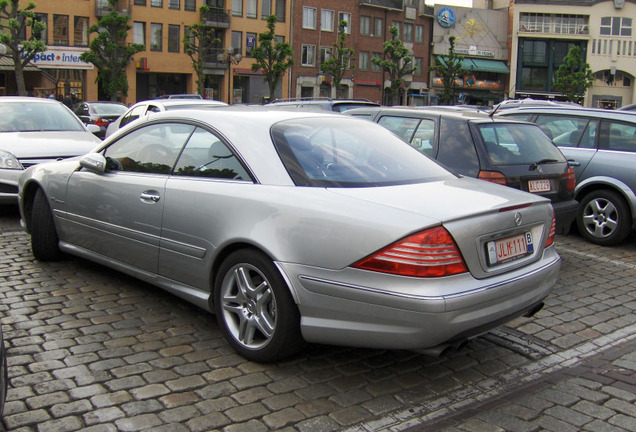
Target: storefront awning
[6, 64]
[481, 65]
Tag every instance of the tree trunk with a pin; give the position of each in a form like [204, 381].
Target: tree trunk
[19, 76]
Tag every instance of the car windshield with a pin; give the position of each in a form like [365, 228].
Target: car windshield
[37, 117]
[339, 152]
[104, 109]
[514, 143]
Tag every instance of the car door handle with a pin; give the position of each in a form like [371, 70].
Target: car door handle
[150, 196]
[573, 163]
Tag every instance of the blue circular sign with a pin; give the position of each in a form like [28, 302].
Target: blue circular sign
[446, 17]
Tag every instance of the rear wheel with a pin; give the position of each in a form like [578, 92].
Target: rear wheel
[604, 218]
[255, 309]
[44, 239]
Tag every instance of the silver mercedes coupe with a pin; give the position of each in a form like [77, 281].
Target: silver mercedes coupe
[295, 227]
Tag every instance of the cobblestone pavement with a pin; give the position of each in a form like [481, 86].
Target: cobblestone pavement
[92, 349]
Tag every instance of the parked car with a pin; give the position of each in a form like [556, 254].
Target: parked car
[99, 113]
[322, 104]
[297, 226]
[630, 107]
[143, 108]
[472, 143]
[601, 146]
[529, 102]
[35, 130]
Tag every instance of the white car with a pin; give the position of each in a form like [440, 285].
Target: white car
[35, 130]
[143, 108]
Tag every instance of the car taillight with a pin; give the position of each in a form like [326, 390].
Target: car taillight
[550, 240]
[101, 122]
[571, 179]
[430, 253]
[493, 177]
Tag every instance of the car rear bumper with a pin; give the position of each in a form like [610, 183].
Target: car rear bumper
[565, 213]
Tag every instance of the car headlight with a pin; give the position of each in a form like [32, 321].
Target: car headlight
[8, 161]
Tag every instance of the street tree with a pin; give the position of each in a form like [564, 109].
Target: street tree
[574, 76]
[449, 68]
[340, 62]
[397, 61]
[198, 41]
[271, 57]
[109, 51]
[14, 22]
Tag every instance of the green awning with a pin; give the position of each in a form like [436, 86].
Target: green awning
[481, 65]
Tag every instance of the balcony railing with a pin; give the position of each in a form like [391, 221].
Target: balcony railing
[217, 17]
[211, 59]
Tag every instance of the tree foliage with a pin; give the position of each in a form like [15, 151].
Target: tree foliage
[270, 57]
[109, 51]
[340, 62]
[14, 21]
[449, 69]
[397, 61]
[574, 76]
[199, 39]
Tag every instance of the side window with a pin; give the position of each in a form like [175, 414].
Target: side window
[150, 149]
[618, 136]
[404, 127]
[134, 114]
[563, 130]
[205, 155]
[424, 137]
[456, 149]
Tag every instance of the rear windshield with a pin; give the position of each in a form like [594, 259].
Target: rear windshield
[349, 152]
[514, 143]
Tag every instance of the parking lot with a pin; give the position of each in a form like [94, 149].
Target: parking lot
[92, 349]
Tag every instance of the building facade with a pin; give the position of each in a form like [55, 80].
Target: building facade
[315, 30]
[543, 31]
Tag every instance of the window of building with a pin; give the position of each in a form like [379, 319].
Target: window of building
[156, 36]
[44, 19]
[375, 67]
[266, 8]
[139, 33]
[398, 25]
[408, 32]
[325, 54]
[140, 2]
[251, 8]
[553, 23]
[365, 26]
[80, 34]
[616, 26]
[250, 43]
[535, 52]
[418, 63]
[378, 27]
[345, 16]
[174, 4]
[174, 38]
[308, 57]
[281, 6]
[419, 34]
[326, 20]
[60, 30]
[309, 18]
[279, 40]
[363, 60]
[190, 5]
[237, 42]
[156, 3]
[237, 8]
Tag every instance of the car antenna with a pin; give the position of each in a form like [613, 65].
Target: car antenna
[494, 110]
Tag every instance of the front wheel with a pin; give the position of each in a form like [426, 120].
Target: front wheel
[604, 218]
[44, 239]
[255, 309]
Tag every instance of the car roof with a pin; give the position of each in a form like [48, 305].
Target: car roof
[469, 115]
[174, 102]
[24, 99]
[583, 112]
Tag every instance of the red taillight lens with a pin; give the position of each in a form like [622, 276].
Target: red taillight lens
[493, 177]
[550, 240]
[571, 180]
[430, 253]
[101, 122]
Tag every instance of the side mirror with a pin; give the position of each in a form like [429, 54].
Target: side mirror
[94, 129]
[94, 162]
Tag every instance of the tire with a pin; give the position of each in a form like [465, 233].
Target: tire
[44, 239]
[255, 309]
[604, 218]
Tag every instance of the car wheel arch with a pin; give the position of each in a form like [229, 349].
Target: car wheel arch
[29, 190]
[611, 184]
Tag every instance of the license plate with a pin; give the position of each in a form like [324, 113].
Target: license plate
[537, 186]
[500, 251]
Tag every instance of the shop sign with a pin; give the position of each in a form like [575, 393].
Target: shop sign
[474, 52]
[61, 58]
[446, 17]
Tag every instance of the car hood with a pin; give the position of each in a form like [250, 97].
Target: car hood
[29, 145]
[445, 200]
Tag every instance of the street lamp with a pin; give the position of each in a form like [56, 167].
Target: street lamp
[3, 49]
[228, 56]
